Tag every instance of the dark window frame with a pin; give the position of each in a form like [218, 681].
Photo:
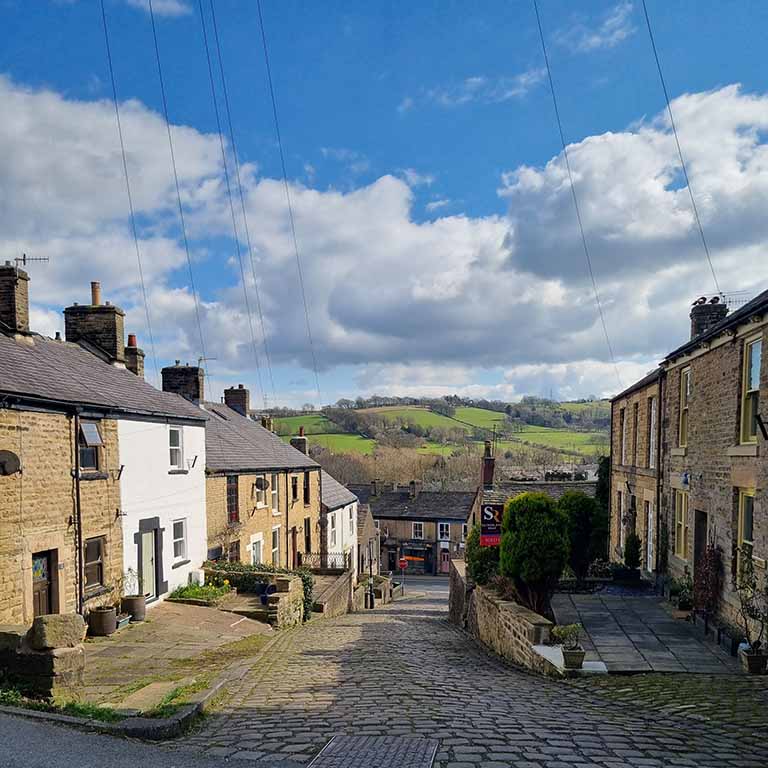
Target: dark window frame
[88, 446]
[97, 563]
[307, 490]
[233, 499]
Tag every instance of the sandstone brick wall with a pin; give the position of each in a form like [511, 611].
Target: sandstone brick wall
[635, 471]
[709, 465]
[37, 510]
[503, 626]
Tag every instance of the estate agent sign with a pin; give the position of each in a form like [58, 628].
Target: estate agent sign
[490, 525]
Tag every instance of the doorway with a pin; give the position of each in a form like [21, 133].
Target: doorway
[147, 566]
[649, 532]
[699, 539]
[392, 560]
[42, 588]
[445, 561]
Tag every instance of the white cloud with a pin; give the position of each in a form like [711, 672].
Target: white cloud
[615, 27]
[436, 205]
[415, 179]
[354, 161]
[171, 8]
[480, 89]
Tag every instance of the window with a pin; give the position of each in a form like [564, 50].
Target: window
[259, 493]
[418, 530]
[750, 398]
[746, 532]
[623, 435]
[351, 523]
[685, 395]
[652, 429]
[88, 444]
[233, 503]
[294, 488]
[620, 507]
[234, 552]
[180, 539]
[276, 546]
[377, 523]
[332, 528]
[635, 426]
[307, 535]
[94, 562]
[275, 496]
[306, 488]
[443, 531]
[464, 530]
[648, 513]
[681, 524]
[175, 447]
[256, 551]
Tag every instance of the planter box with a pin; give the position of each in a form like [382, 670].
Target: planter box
[753, 663]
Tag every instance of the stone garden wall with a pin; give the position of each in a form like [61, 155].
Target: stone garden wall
[338, 599]
[508, 629]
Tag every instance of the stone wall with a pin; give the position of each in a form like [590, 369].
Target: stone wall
[338, 599]
[285, 607]
[508, 629]
[37, 512]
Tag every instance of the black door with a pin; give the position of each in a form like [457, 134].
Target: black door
[41, 583]
[699, 538]
[392, 560]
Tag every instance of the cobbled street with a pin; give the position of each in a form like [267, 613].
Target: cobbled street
[404, 670]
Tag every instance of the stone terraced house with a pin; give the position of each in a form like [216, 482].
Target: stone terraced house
[89, 459]
[710, 467]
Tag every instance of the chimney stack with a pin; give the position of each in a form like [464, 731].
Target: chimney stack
[488, 465]
[300, 443]
[134, 357]
[239, 399]
[101, 325]
[706, 314]
[14, 298]
[374, 487]
[185, 380]
[414, 488]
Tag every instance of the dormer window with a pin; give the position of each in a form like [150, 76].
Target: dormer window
[88, 443]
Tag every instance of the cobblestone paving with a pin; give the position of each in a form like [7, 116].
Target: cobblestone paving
[404, 670]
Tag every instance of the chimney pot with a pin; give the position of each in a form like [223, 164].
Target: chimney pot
[96, 293]
[300, 443]
[489, 464]
[132, 340]
[301, 431]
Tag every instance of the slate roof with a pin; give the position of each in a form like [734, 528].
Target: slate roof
[364, 523]
[644, 382]
[236, 444]
[63, 373]
[335, 495]
[757, 306]
[501, 492]
[427, 505]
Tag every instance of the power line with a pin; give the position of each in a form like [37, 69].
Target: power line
[680, 151]
[242, 200]
[288, 198]
[575, 198]
[132, 215]
[231, 203]
[176, 181]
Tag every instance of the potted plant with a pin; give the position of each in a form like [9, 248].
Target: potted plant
[753, 607]
[567, 636]
[133, 603]
[684, 589]
[102, 621]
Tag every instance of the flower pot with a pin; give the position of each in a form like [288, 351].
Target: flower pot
[573, 658]
[136, 605]
[754, 663]
[102, 622]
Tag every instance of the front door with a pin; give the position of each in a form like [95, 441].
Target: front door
[445, 561]
[147, 569]
[699, 538]
[649, 564]
[294, 547]
[392, 560]
[41, 583]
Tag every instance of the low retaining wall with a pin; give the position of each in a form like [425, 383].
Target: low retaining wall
[508, 629]
[337, 599]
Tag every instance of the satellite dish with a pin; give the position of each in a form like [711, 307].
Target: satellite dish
[10, 463]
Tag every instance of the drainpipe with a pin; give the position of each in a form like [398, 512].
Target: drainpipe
[78, 518]
[659, 464]
[610, 486]
[288, 504]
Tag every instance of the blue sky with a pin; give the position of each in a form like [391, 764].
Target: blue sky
[424, 160]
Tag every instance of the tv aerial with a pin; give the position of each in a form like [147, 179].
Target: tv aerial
[23, 260]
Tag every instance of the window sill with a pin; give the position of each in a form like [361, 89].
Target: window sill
[91, 594]
[93, 475]
[746, 449]
[178, 471]
[678, 451]
[180, 564]
[680, 559]
[276, 513]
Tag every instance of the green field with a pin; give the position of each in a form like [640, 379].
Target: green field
[341, 443]
[314, 424]
[564, 439]
[416, 415]
[598, 407]
[480, 417]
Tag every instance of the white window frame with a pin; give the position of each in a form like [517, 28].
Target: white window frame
[420, 529]
[182, 539]
[257, 539]
[274, 490]
[444, 527]
[180, 447]
[685, 397]
[652, 429]
[622, 521]
[681, 510]
[275, 549]
[352, 522]
[649, 534]
[747, 392]
[623, 427]
[260, 495]
[332, 530]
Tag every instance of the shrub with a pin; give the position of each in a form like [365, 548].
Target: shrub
[482, 562]
[567, 635]
[708, 582]
[208, 592]
[580, 511]
[534, 548]
[632, 551]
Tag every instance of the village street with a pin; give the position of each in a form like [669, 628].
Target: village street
[405, 671]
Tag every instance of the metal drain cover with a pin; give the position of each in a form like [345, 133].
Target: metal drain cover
[376, 752]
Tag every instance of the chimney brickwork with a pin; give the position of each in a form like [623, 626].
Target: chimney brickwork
[489, 464]
[705, 315]
[14, 298]
[102, 325]
[185, 380]
[238, 399]
[300, 442]
[134, 357]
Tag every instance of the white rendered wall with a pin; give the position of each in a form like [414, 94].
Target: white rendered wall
[148, 489]
[346, 539]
